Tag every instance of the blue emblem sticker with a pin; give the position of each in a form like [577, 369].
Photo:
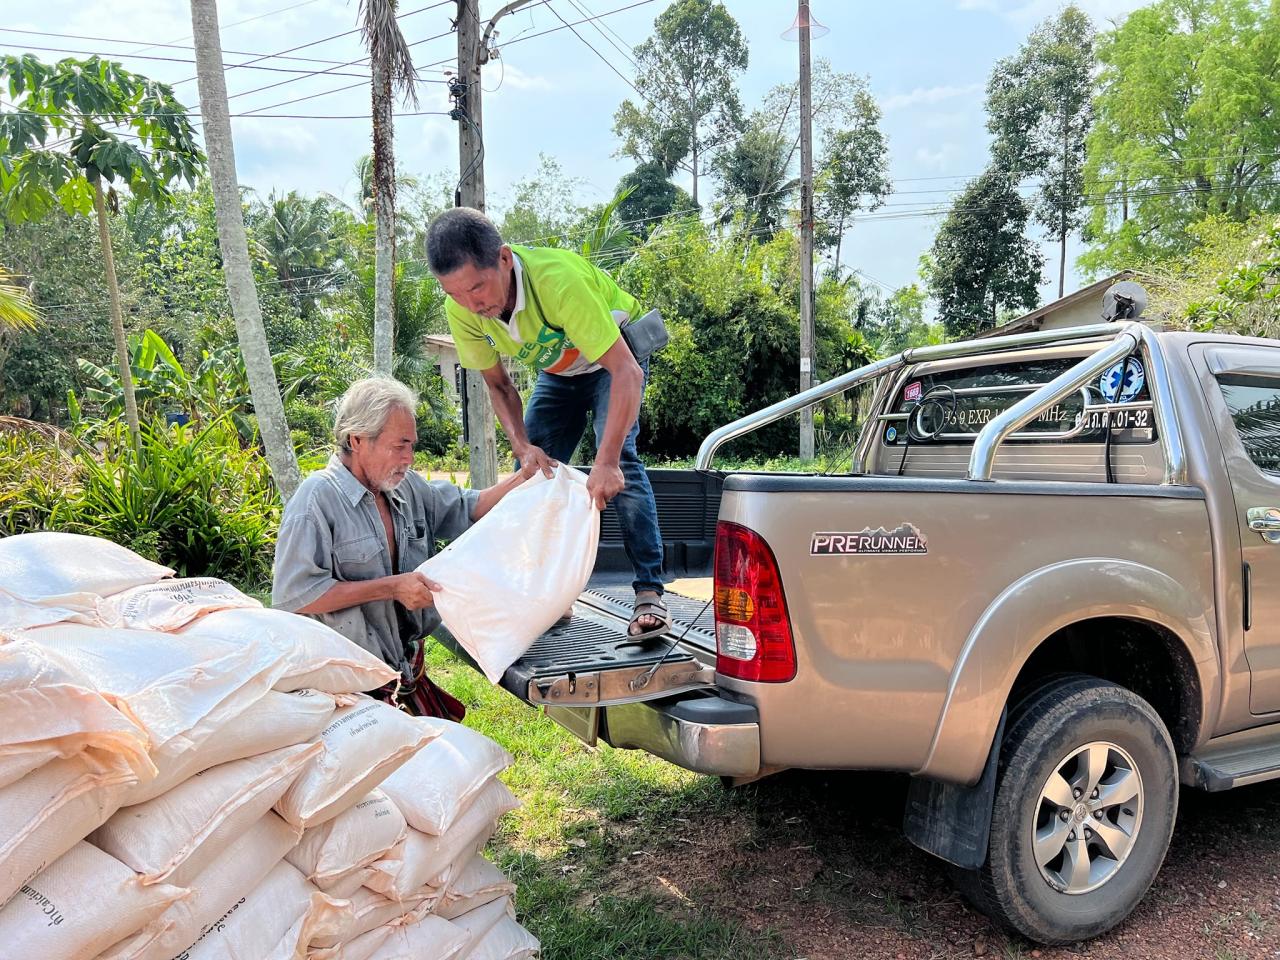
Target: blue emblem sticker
[891, 434]
[1123, 382]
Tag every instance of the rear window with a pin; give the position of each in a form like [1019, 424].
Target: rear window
[953, 406]
[1254, 403]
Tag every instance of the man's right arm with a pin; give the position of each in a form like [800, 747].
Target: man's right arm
[411, 590]
[510, 411]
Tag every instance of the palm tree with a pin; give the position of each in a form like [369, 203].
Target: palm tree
[234, 244]
[295, 236]
[17, 312]
[392, 67]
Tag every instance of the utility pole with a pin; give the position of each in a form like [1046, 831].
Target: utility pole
[477, 410]
[806, 231]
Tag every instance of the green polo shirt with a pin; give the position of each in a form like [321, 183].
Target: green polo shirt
[578, 297]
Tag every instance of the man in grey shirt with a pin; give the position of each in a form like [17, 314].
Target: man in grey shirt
[355, 532]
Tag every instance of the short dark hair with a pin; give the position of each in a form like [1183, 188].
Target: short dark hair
[460, 236]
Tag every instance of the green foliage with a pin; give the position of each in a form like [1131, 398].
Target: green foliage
[1040, 109]
[35, 474]
[313, 422]
[981, 260]
[649, 196]
[17, 312]
[1186, 126]
[543, 207]
[754, 180]
[297, 239]
[685, 75]
[1232, 283]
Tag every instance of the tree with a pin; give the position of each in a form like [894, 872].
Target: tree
[295, 236]
[1187, 126]
[649, 196]
[392, 68]
[981, 259]
[110, 124]
[754, 180]
[17, 312]
[685, 76]
[853, 173]
[1040, 109]
[235, 249]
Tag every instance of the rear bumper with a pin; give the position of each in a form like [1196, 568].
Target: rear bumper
[705, 734]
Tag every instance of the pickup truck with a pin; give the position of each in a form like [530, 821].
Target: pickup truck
[1048, 589]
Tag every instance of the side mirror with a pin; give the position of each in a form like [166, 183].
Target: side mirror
[1123, 301]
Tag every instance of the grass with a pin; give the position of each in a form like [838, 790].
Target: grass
[584, 813]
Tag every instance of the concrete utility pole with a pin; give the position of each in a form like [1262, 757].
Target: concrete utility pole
[477, 411]
[806, 231]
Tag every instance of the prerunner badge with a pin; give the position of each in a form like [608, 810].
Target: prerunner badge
[907, 539]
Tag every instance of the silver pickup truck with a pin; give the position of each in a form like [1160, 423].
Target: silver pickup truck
[1048, 589]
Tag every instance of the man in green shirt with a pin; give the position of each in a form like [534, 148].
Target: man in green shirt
[560, 314]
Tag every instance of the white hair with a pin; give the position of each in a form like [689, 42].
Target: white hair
[367, 405]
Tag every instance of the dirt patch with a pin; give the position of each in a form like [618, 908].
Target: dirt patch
[821, 860]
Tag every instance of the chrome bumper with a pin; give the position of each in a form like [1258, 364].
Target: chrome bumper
[702, 734]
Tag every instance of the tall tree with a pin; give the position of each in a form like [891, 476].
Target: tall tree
[648, 196]
[295, 236]
[686, 76]
[1187, 125]
[754, 177]
[241, 289]
[107, 124]
[391, 65]
[981, 260]
[1040, 109]
[853, 172]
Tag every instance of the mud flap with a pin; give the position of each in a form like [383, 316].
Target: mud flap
[953, 822]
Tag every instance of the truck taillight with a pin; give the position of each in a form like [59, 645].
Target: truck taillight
[753, 631]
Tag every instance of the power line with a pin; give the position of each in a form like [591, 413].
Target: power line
[170, 46]
[582, 9]
[251, 65]
[240, 23]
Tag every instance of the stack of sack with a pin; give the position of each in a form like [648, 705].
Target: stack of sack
[185, 774]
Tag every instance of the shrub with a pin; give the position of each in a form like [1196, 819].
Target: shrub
[315, 421]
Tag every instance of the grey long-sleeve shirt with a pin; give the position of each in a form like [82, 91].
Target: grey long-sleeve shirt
[332, 533]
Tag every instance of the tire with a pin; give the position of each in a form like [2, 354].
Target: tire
[1097, 854]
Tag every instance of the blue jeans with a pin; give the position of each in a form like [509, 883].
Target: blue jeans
[554, 421]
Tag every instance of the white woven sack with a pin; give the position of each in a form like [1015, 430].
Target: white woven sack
[49, 711]
[170, 604]
[50, 810]
[275, 720]
[277, 920]
[236, 871]
[439, 782]
[84, 901]
[364, 743]
[176, 835]
[353, 839]
[429, 861]
[370, 910]
[19, 614]
[479, 883]
[507, 940]
[165, 686]
[546, 532]
[428, 939]
[70, 570]
[319, 657]
[475, 924]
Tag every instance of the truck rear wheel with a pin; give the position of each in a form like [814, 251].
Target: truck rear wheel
[1084, 809]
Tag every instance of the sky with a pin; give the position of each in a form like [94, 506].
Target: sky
[927, 62]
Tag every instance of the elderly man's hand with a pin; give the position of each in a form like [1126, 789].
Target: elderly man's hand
[604, 483]
[532, 459]
[413, 591]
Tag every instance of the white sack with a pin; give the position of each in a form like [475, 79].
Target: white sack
[429, 939]
[70, 570]
[506, 941]
[364, 743]
[353, 839]
[439, 782]
[477, 923]
[434, 861]
[48, 711]
[170, 604]
[276, 920]
[176, 835]
[86, 900]
[18, 614]
[274, 721]
[370, 910]
[480, 883]
[48, 812]
[508, 578]
[164, 685]
[236, 871]
[319, 657]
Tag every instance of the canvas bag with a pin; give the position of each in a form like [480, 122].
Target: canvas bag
[70, 570]
[170, 604]
[508, 578]
[351, 840]
[506, 940]
[370, 910]
[438, 783]
[430, 938]
[476, 923]
[480, 883]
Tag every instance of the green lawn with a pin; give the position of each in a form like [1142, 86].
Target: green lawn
[585, 813]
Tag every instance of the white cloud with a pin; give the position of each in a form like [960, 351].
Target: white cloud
[1029, 12]
[936, 159]
[513, 76]
[927, 95]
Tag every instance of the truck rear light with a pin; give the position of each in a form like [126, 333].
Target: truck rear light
[753, 631]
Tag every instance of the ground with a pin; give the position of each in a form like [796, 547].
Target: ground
[621, 856]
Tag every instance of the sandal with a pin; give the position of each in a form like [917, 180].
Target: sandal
[655, 609]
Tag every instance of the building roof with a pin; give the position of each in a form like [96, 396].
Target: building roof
[1035, 319]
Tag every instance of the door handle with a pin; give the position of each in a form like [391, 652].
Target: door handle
[1265, 521]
